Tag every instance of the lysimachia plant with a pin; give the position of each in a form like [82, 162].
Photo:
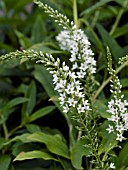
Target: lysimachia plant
[76, 86]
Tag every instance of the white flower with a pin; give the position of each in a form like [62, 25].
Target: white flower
[119, 137]
[81, 74]
[80, 108]
[120, 128]
[72, 102]
[70, 88]
[79, 94]
[112, 166]
[74, 66]
[62, 98]
[65, 108]
[110, 129]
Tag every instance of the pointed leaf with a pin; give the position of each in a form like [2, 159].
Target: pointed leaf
[109, 41]
[80, 149]
[54, 143]
[14, 102]
[29, 106]
[100, 108]
[34, 154]
[41, 112]
[2, 141]
[94, 7]
[4, 162]
[123, 156]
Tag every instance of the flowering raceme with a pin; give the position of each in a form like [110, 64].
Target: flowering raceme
[117, 107]
[70, 90]
[74, 84]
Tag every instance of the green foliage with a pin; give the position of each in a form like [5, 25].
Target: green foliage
[34, 132]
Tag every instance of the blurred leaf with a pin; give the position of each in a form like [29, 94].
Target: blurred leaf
[120, 31]
[123, 156]
[28, 107]
[54, 143]
[121, 2]
[101, 108]
[34, 154]
[38, 30]
[44, 47]
[42, 112]
[45, 78]
[19, 5]
[94, 7]
[124, 82]
[115, 49]
[4, 115]
[14, 102]
[33, 128]
[92, 35]
[6, 47]
[2, 141]
[4, 162]
[23, 40]
[80, 149]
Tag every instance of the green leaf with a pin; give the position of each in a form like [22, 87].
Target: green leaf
[94, 7]
[100, 108]
[23, 138]
[45, 48]
[14, 102]
[109, 41]
[41, 112]
[33, 128]
[34, 154]
[29, 106]
[4, 162]
[80, 149]
[120, 31]
[38, 30]
[2, 141]
[108, 139]
[23, 40]
[54, 143]
[124, 82]
[123, 156]
[19, 5]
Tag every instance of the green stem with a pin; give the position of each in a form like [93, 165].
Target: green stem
[118, 17]
[75, 12]
[99, 162]
[15, 129]
[107, 81]
[5, 131]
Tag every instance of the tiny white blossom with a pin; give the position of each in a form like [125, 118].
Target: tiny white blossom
[72, 102]
[65, 108]
[70, 88]
[110, 129]
[119, 137]
[112, 166]
[80, 109]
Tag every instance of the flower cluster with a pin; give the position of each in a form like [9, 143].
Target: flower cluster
[117, 107]
[76, 42]
[68, 81]
[72, 94]
[68, 86]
